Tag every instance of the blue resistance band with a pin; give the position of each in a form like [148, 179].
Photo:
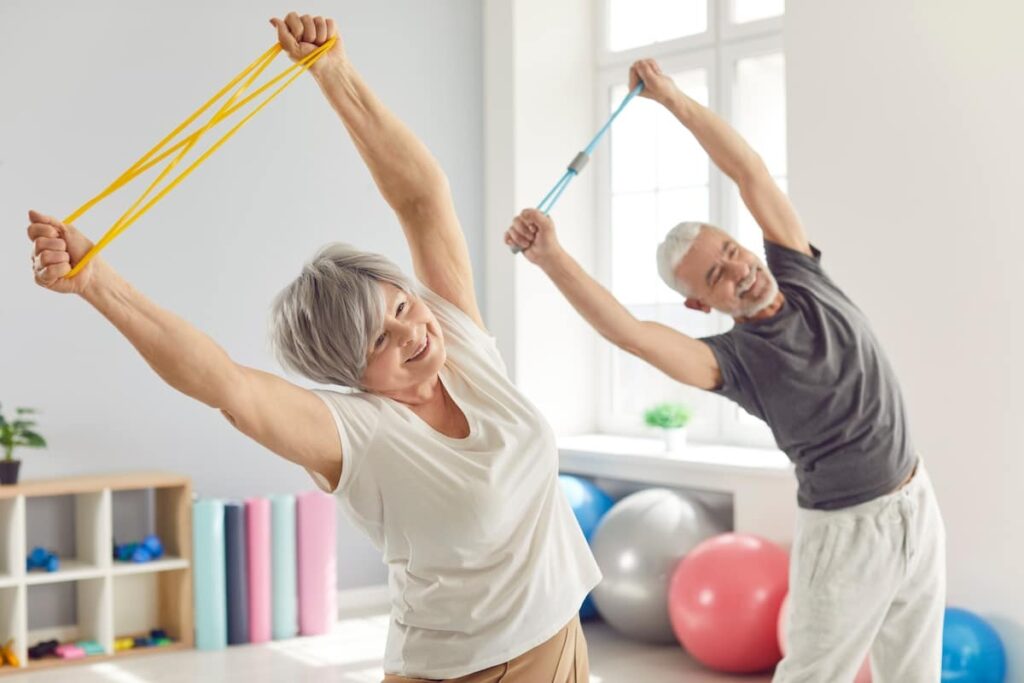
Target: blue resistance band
[581, 160]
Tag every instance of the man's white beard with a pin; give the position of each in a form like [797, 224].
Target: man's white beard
[749, 309]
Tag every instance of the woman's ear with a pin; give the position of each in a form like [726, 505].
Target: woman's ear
[697, 305]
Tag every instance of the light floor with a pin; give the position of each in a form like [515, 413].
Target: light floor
[352, 654]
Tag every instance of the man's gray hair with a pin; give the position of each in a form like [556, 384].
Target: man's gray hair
[323, 323]
[672, 250]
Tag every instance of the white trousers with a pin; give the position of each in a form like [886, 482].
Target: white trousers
[869, 577]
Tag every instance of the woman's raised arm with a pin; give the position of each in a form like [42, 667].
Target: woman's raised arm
[406, 173]
[283, 417]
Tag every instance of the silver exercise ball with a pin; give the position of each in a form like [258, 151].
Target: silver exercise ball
[637, 545]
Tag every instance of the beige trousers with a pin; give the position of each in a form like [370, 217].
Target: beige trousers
[560, 659]
[870, 577]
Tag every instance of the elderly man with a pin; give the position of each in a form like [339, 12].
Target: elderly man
[868, 559]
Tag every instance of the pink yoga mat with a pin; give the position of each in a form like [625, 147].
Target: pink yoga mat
[316, 545]
[257, 529]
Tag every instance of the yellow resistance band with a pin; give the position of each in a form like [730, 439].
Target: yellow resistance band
[227, 109]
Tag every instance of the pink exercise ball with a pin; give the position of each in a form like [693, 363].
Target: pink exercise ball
[724, 602]
[863, 675]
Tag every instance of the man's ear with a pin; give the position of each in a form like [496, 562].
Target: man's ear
[697, 305]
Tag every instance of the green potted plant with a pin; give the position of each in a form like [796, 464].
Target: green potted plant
[671, 419]
[14, 433]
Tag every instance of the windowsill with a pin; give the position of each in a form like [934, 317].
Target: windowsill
[759, 481]
[645, 453]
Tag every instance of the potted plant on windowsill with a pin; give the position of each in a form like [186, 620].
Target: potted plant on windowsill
[14, 433]
[671, 419]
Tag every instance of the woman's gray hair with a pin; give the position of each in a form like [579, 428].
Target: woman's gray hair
[672, 250]
[323, 323]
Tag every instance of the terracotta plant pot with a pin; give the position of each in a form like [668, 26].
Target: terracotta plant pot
[9, 471]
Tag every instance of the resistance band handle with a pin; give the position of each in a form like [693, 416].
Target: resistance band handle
[581, 159]
[579, 162]
[571, 171]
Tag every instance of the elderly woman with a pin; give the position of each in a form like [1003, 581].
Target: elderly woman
[437, 457]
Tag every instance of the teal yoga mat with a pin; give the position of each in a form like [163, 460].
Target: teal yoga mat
[284, 586]
[208, 575]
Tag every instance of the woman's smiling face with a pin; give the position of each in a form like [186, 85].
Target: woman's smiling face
[409, 350]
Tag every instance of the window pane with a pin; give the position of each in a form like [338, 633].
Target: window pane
[634, 144]
[752, 10]
[638, 385]
[634, 240]
[759, 107]
[632, 23]
[681, 160]
[650, 148]
[659, 178]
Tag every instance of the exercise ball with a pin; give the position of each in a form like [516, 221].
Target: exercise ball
[863, 674]
[637, 546]
[724, 602]
[971, 649]
[589, 504]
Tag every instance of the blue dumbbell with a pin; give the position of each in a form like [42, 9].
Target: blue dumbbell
[147, 550]
[41, 558]
[152, 544]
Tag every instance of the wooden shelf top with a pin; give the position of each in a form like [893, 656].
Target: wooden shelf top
[71, 569]
[164, 564]
[93, 483]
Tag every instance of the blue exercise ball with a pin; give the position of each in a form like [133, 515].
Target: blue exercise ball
[971, 649]
[589, 504]
[589, 609]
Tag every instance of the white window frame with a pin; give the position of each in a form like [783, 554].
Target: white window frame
[716, 50]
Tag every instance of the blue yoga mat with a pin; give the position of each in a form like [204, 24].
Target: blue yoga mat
[235, 561]
[208, 575]
[284, 585]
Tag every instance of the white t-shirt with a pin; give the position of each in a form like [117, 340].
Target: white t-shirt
[485, 557]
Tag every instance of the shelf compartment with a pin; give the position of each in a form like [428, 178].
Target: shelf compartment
[152, 600]
[74, 526]
[12, 620]
[69, 611]
[160, 510]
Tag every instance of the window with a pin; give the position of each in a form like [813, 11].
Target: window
[635, 23]
[744, 11]
[726, 55]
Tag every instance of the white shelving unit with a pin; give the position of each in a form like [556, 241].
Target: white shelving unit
[111, 599]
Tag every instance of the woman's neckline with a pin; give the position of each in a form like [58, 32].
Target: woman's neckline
[446, 386]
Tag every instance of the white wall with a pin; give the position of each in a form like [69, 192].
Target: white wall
[85, 89]
[905, 142]
[539, 103]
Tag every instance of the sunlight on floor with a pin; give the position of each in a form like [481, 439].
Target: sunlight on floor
[351, 640]
[352, 653]
[116, 674]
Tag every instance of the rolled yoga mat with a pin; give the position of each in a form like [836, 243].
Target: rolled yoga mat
[238, 591]
[208, 575]
[317, 552]
[257, 531]
[283, 575]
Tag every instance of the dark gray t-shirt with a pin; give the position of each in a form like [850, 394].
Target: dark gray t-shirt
[817, 375]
